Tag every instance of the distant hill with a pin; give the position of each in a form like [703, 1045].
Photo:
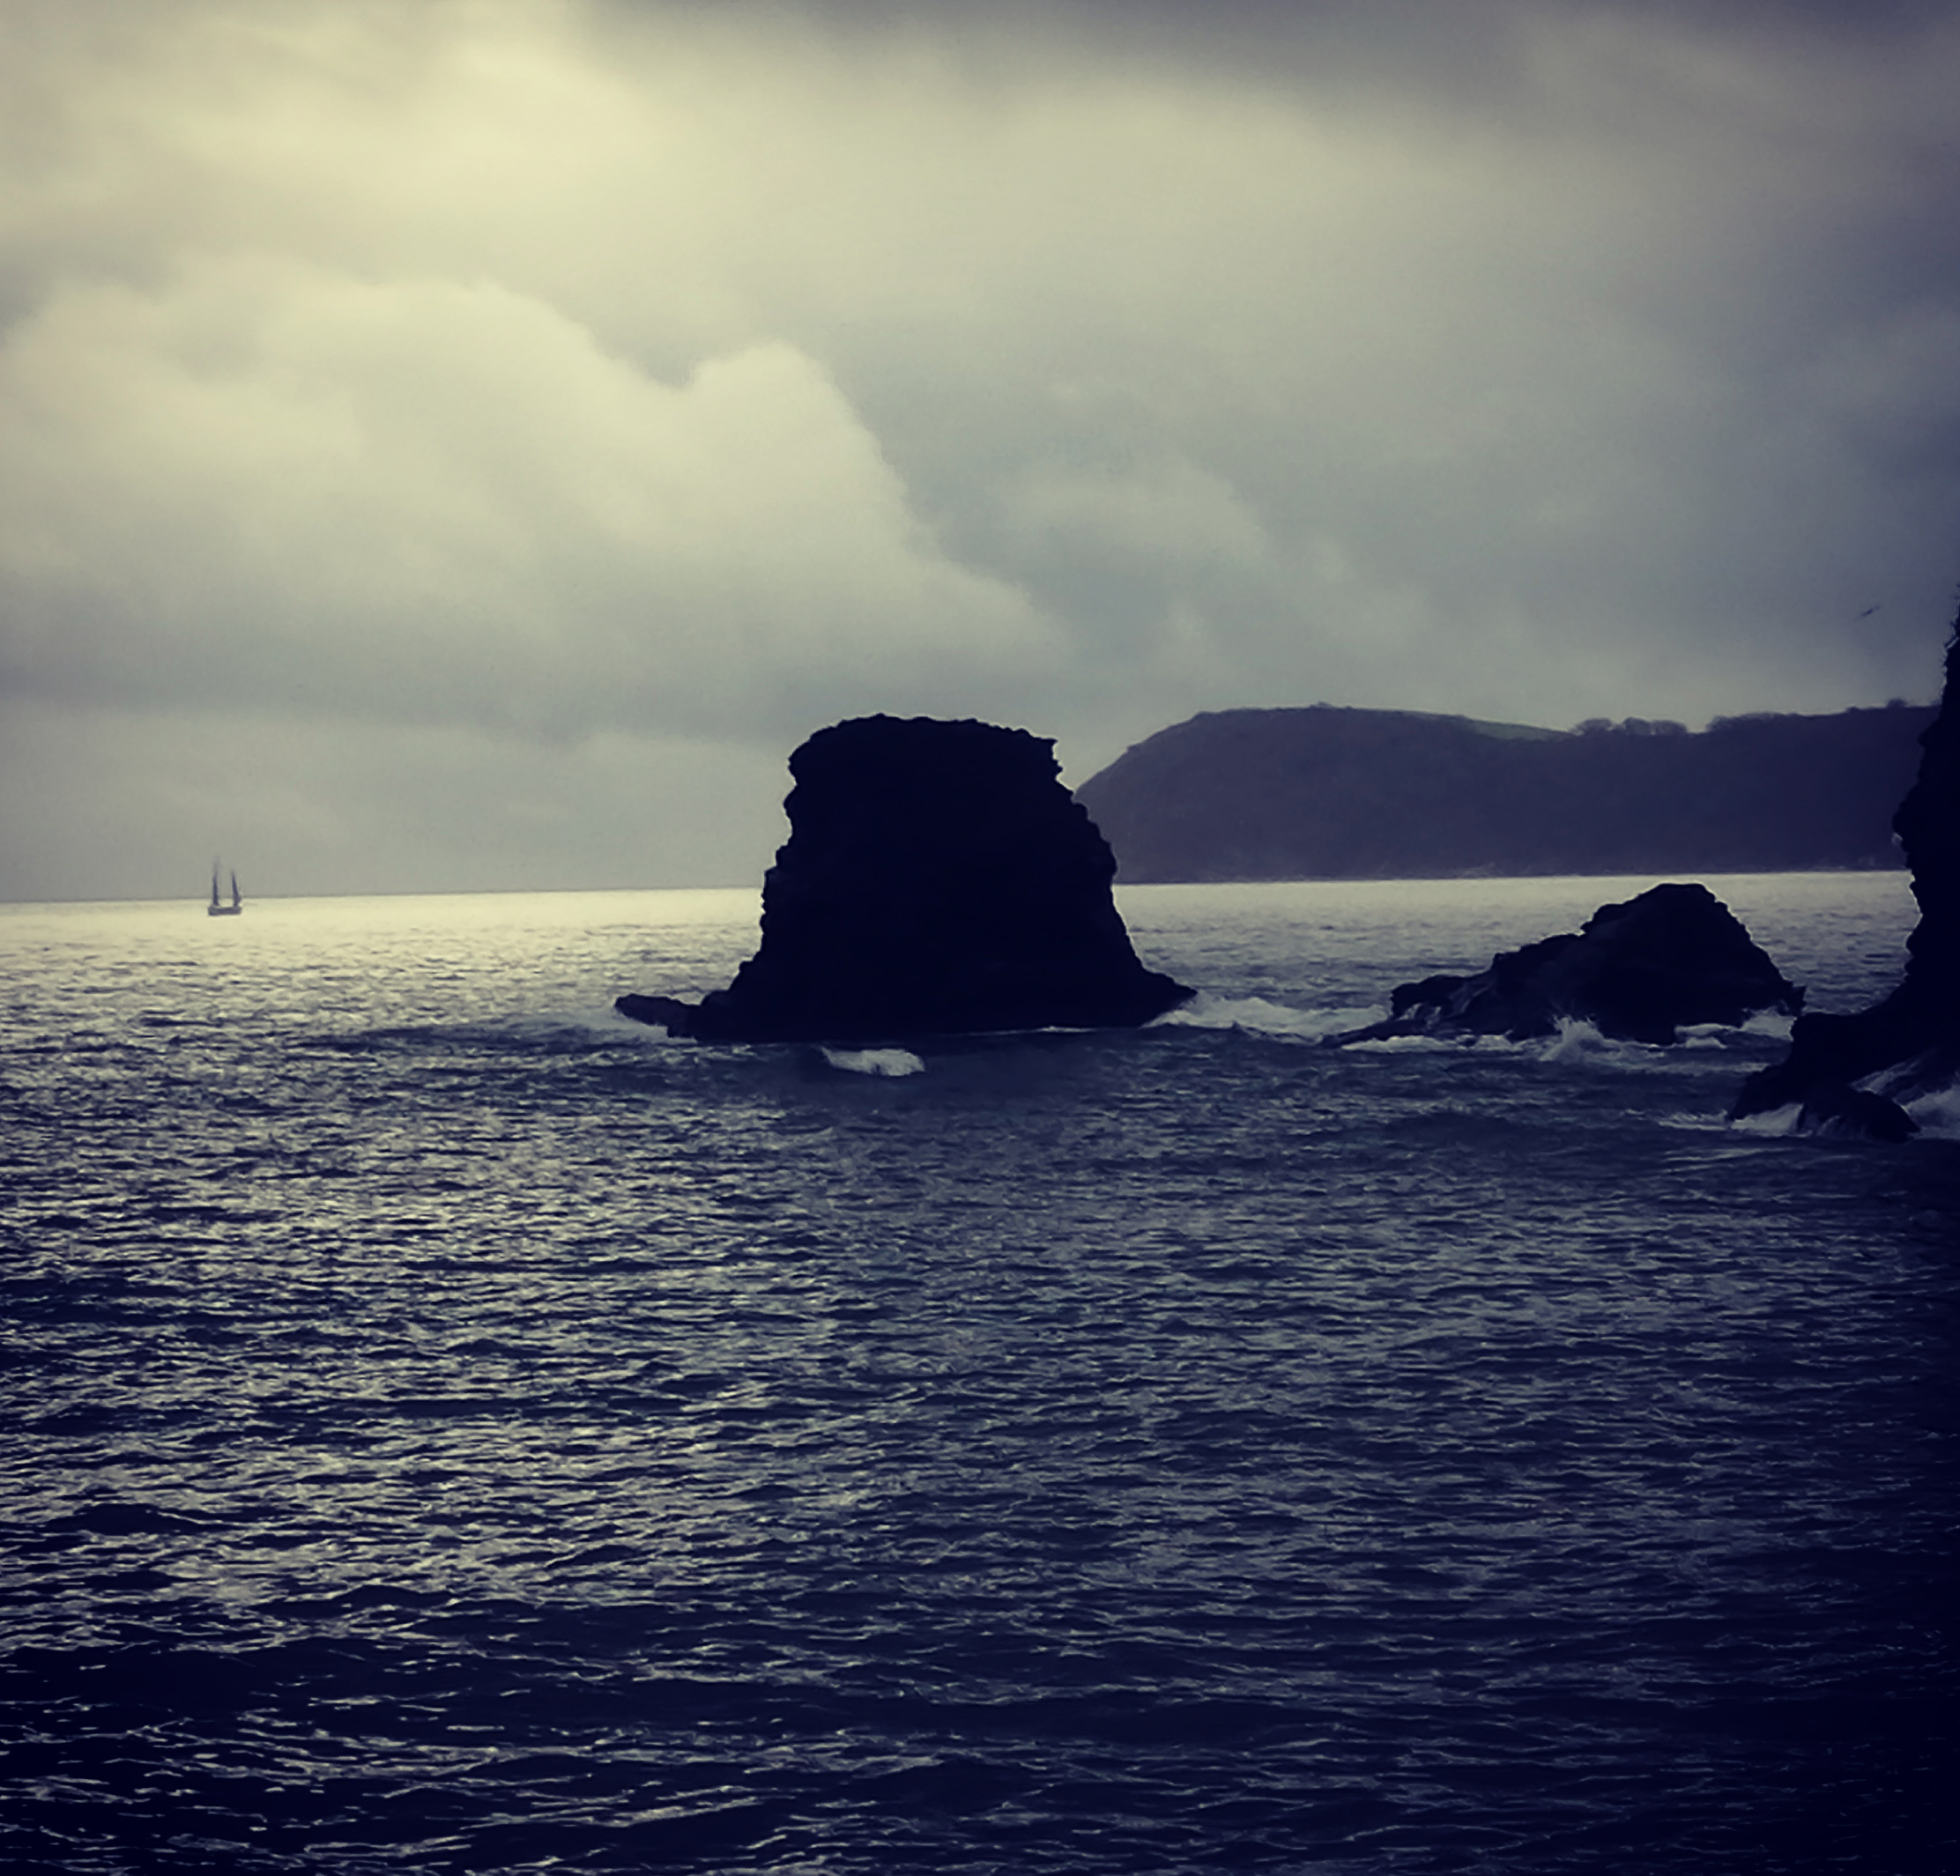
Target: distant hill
[1327, 793]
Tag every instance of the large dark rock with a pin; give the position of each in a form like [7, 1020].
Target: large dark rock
[1911, 1041]
[939, 879]
[1639, 971]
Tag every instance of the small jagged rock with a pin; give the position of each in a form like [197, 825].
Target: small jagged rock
[939, 879]
[1908, 1044]
[1639, 971]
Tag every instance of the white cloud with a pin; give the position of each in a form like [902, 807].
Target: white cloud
[274, 483]
[1172, 513]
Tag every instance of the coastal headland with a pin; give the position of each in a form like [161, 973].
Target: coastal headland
[1332, 793]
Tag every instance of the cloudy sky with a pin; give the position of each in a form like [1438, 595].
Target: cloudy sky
[464, 445]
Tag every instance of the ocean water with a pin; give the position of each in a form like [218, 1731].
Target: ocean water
[447, 1428]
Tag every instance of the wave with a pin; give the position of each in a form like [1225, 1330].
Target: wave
[1938, 1116]
[886, 1062]
[1938, 1113]
[1578, 1041]
[542, 1035]
[1260, 1016]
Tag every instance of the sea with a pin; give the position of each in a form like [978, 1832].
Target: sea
[446, 1427]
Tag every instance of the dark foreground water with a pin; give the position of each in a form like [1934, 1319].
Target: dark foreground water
[447, 1429]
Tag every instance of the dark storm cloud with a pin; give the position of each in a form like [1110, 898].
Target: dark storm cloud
[530, 377]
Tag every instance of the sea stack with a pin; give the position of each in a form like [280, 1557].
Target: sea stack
[939, 879]
[1642, 970]
[1911, 1041]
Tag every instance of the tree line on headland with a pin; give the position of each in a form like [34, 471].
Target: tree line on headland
[1332, 793]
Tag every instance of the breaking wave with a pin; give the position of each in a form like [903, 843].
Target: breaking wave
[887, 1062]
[1261, 1016]
[1938, 1113]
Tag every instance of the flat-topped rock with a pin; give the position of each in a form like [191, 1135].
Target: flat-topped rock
[938, 880]
[1641, 971]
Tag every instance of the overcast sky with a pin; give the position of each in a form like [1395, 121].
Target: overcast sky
[466, 445]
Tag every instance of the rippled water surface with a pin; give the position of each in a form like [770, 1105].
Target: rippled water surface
[447, 1428]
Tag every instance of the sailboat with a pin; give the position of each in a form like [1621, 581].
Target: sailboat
[217, 909]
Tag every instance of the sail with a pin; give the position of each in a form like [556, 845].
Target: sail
[217, 909]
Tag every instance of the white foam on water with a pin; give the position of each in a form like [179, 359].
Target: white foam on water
[1428, 1044]
[888, 1062]
[1774, 1123]
[1580, 1041]
[1938, 1113]
[1689, 1121]
[1706, 1035]
[1260, 1016]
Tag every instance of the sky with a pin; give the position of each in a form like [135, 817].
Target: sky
[467, 445]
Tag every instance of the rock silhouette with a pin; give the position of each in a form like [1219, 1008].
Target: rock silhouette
[939, 879]
[1639, 971]
[1911, 1040]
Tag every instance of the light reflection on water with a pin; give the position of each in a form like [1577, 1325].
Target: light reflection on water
[448, 1428]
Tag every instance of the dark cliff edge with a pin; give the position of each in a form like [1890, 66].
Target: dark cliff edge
[1908, 1044]
[1329, 793]
[938, 880]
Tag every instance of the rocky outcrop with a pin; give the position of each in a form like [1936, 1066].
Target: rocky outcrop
[939, 879]
[1908, 1044]
[1674, 956]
